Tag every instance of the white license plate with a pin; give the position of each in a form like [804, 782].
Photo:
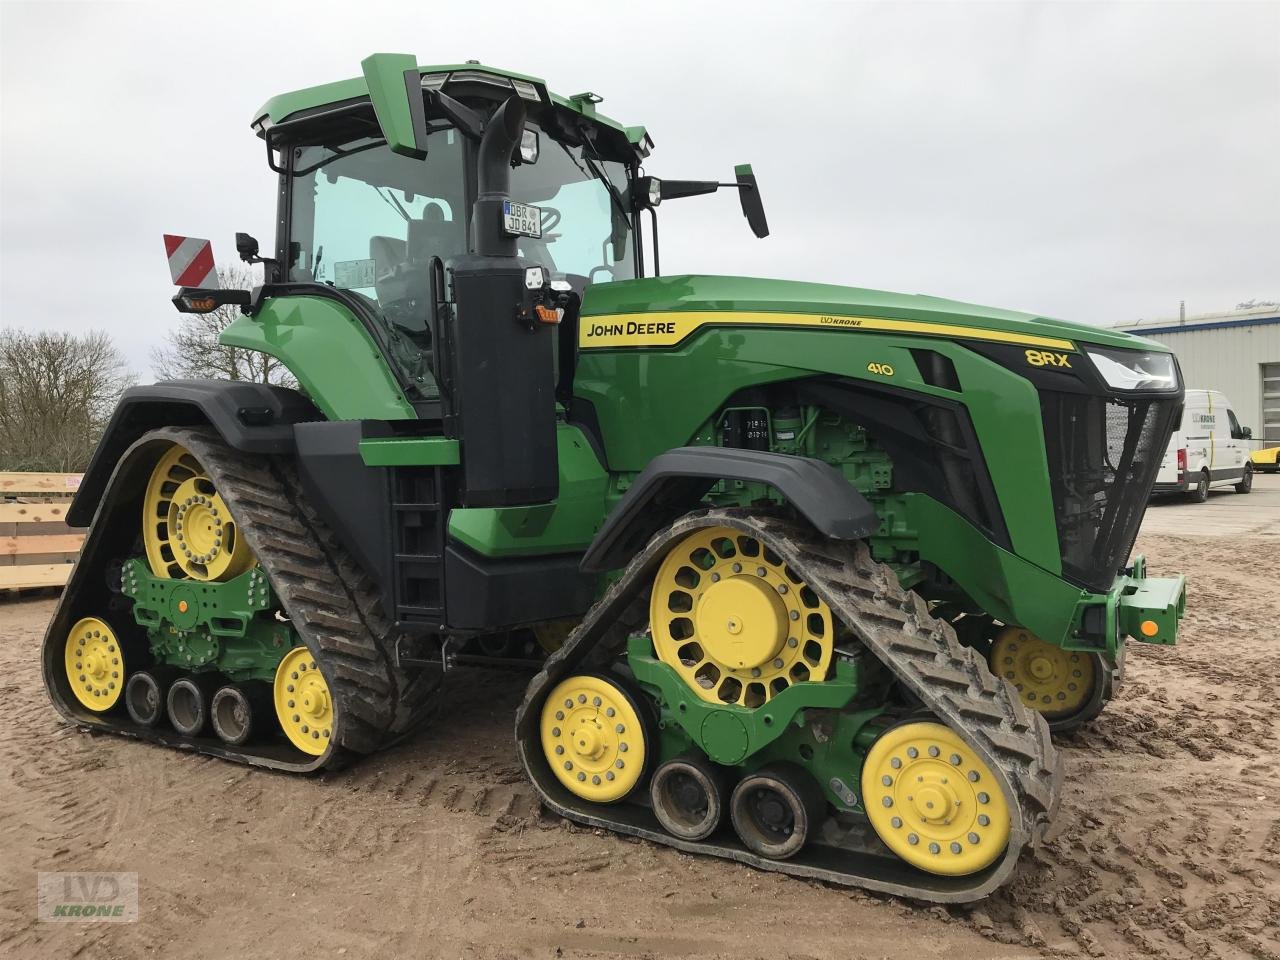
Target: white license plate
[521, 219]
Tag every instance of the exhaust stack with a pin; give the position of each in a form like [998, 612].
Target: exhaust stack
[493, 179]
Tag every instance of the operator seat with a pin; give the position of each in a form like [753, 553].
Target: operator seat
[402, 271]
[434, 236]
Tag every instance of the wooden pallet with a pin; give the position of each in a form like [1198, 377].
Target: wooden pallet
[37, 548]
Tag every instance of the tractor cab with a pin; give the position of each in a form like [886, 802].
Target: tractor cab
[380, 209]
[389, 182]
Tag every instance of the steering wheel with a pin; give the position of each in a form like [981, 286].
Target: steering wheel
[550, 218]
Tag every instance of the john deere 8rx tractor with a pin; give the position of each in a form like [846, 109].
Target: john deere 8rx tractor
[817, 568]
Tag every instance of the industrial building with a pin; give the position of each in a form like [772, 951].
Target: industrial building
[1237, 352]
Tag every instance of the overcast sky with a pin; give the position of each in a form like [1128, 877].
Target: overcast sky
[1092, 161]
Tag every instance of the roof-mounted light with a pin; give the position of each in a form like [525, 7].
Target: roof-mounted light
[476, 76]
[525, 89]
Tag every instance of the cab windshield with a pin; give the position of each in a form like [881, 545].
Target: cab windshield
[370, 221]
[586, 233]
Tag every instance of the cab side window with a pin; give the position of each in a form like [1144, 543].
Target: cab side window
[1236, 432]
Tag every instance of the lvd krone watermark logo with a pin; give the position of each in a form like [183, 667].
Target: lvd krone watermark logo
[101, 897]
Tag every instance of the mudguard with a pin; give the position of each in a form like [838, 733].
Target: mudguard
[252, 417]
[673, 483]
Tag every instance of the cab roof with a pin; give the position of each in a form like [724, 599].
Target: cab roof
[309, 100]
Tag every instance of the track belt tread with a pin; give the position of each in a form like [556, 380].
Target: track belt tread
[950, 680]
[333, 606]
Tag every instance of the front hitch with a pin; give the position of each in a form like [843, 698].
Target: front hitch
[1146, 608]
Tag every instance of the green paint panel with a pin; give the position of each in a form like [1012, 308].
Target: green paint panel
[384, 75]
[1005, 585]
[564, 526]
[831, 745]
[729, 733]
[225, 609]
[330, 353]
[715, 293]
[650, 401]
[225, 627]
[808, 723]
[410, 452]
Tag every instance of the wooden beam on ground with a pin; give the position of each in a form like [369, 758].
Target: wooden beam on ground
[34, 575]
[17, 483]
[59, 543]
[33, 512]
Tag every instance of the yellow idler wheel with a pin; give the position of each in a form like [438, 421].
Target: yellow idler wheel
[304, 705]
[187, 529]
[932, 801]
[735, 622]
[1053, 681]
[95, 664]
[594, 738]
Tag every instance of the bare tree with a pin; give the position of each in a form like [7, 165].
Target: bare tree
[57, 391]
[194, 353]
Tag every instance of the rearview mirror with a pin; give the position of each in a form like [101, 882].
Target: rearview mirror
[749, 195]
[648, 192]
[247, 247]
[1247, 432]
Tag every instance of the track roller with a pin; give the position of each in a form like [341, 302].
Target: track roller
[1061, 685]
[238, 712]
[933, 801]
[95, 664]
[775, 809]
[145, 695]
[188, 704]
[304, 705]
[595, 737]
[688, 796]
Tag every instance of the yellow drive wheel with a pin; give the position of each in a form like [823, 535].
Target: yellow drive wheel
[735, 622]
[594, 738]
[1053, 681]
[95, 664]
[304, 705]
[552, 634]
[187, 529]
[932, 801]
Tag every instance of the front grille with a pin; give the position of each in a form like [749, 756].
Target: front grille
[1103, 456]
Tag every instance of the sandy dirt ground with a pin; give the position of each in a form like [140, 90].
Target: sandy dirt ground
[1167, 845]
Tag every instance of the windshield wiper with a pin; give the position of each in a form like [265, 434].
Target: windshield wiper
[392, 202]
[598, 174]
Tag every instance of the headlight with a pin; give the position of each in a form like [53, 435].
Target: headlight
[1135, 369]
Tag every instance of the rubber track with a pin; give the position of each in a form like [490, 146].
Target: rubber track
[333, 608]
[950, 680]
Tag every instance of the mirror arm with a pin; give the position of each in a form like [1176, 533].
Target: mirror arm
[469, 123]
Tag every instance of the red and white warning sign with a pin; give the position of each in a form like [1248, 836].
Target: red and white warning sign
[191, 262]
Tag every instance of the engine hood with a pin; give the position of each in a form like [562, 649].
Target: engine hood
[791, 300]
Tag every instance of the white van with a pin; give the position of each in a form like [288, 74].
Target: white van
[1208, 449]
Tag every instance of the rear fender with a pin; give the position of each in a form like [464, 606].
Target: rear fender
[253, 417]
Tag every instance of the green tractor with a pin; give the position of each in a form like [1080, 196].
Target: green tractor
[811, 572]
